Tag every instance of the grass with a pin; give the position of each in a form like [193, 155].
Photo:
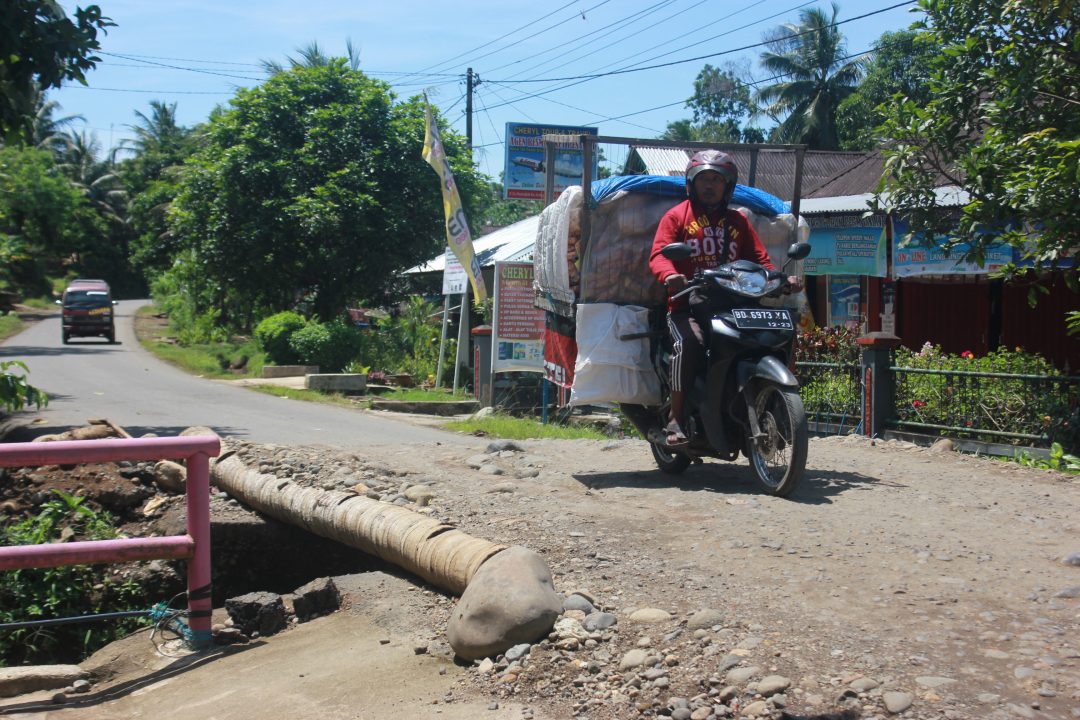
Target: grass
[423, 395]
[515, 428]
[10, 325]
[208, 360]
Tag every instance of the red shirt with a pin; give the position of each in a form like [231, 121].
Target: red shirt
[715, 239]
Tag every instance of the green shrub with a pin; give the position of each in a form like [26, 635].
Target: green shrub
[15, 392]
[274, 333]
[330, 345]
[950, 397]
[69, 591]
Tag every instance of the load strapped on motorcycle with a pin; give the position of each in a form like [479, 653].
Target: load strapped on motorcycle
[744, 399]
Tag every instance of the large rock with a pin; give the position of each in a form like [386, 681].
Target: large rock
[316, 598]
[19, 680]
[510, 600]
[257, 612]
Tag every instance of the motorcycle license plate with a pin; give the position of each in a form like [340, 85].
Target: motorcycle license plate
[763, 319]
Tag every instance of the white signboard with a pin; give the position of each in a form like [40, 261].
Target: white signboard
[454, 277]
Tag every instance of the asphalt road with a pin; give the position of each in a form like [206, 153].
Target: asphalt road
[91, 378]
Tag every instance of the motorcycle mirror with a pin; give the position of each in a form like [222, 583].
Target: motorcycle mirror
[799, 250]
[676, 251]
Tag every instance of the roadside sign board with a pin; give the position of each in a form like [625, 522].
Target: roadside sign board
[524, 169]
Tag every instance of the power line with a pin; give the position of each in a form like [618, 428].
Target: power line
[699, 58]
[491, 42]
[627, 19]
[579, 82]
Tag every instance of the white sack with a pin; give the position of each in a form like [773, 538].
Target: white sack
[609, 369]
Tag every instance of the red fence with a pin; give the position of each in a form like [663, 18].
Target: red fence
[195, 546]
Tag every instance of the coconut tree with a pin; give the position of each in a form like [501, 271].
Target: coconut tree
[814, 77]
[94, 178]
[47, 131]
[312, 55]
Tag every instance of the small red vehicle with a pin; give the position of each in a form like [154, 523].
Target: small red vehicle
[87, 307]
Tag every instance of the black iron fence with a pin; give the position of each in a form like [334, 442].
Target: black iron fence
[831, 393]
[999, 407]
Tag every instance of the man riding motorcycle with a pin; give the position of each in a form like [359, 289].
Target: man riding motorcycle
[716, 235]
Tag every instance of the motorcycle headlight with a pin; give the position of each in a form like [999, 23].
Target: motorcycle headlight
[748, 283]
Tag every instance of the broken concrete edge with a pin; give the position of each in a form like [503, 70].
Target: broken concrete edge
[280, 371]
[31, 678]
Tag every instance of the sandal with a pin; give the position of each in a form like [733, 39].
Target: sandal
[674, 435]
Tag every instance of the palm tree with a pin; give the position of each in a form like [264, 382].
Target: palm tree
[159, 132]
[95, 179]
[45, 130]
[814, 78]
[313, 56]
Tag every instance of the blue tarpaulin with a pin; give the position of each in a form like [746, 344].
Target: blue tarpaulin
[756, 200]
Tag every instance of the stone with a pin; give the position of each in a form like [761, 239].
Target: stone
[170, 476]
[510, 600]
[422, 495]
[316, 598]
[897, 702]
[1072, 559]
[632, 659]
[773, 684]
[863, 684]
[578, 602]
[704, 618]
[931, 681]
[517, 652]
[943, 445]
[257, 612]
[19, 680]
[647, 616]
[738, 676]
[1069, 592]
[498, 446]
[755, 709]
[599, 621]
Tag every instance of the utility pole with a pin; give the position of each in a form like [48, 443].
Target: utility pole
[471, 81]
[465, 319]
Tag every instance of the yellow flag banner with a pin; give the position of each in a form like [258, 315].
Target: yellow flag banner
[457, 228]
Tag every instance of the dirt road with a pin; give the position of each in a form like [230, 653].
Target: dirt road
[897, 580]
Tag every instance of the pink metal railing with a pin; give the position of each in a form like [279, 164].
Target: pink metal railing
[195, 546]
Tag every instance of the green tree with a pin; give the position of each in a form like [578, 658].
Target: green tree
[722, 106]
[815, 77]
[44, 219]
[1002, 122]
[40, 48]
[898, 66]
[311, 187]
[152, 178]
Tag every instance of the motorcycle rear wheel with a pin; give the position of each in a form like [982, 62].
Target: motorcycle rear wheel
[778, 457]
[669, 462]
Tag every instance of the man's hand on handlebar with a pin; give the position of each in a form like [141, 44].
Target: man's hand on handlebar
[675, 283]
[795, 284]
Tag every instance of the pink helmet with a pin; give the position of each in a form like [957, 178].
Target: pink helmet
[716, 161]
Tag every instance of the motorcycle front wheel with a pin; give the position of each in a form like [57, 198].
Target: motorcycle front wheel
[778, 455]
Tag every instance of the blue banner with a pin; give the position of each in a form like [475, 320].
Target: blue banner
[846, 251]
[912, 259]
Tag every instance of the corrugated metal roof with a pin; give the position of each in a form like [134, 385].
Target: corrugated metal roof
[947, 196]
[509, 244]
[656, 161]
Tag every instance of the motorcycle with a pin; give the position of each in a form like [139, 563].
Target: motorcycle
[747, 400]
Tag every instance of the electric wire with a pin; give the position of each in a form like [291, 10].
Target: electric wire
[426, 70]
[627, 19]
[709, 56]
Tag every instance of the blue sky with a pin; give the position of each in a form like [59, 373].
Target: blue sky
[196, 53]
